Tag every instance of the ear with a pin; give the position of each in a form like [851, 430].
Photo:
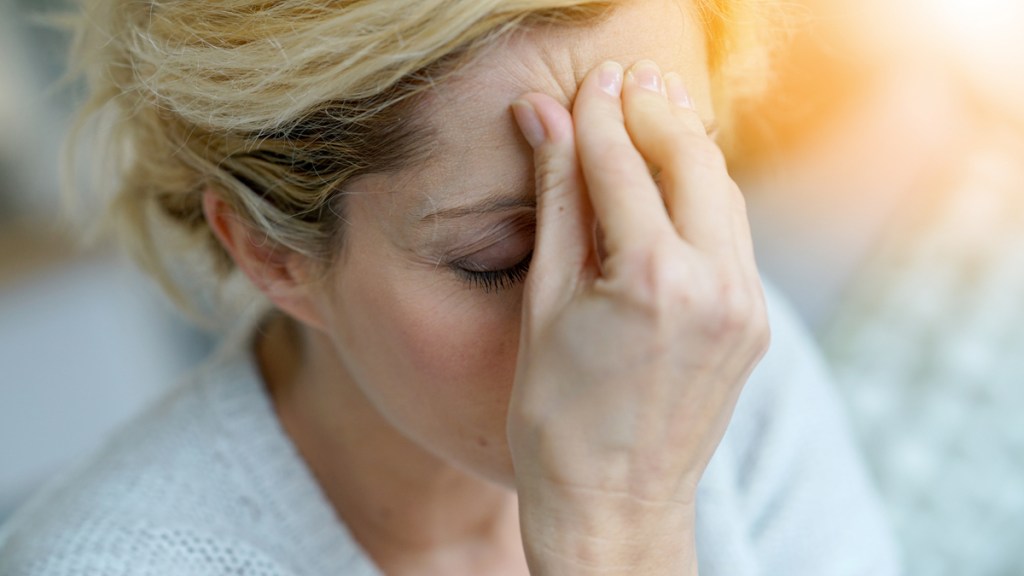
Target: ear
[280, 274]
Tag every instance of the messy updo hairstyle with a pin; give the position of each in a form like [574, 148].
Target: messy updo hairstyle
[277, 105]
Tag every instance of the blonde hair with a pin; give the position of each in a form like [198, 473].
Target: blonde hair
[277, 105]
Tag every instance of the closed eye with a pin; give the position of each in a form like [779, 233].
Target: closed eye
[493, 280]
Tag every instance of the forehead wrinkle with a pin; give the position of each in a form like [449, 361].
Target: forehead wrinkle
[470, 108]
[551, 67]
[558, 57]
[534, 59]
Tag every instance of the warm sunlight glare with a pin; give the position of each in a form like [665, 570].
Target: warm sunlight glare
[977, 20]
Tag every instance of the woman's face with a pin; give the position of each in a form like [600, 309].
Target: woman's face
[423, 308]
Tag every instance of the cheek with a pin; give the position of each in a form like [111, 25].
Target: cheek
[448, 337]
[436, 359]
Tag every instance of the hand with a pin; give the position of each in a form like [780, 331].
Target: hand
[631, 359]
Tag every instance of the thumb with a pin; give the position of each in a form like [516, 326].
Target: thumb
[563, 252]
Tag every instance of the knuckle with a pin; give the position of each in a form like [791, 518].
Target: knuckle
[690, 119]
[762, 339]
[760, 327]
[732, 311]
[692, 154]
[657, 281]
[553, 174]
[756, 335]
[666, 275]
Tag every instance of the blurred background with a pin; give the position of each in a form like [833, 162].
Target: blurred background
[885, 178]
[85, 340]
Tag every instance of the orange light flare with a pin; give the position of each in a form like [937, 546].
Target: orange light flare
[984, 42]
[975, 22]
[978, 44]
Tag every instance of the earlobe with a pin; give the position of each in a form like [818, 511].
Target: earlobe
[278, 273]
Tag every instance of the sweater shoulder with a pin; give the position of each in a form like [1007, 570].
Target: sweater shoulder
[162, 494]
[806, 500]
[116, 547]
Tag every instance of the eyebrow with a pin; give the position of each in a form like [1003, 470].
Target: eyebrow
[495, 201]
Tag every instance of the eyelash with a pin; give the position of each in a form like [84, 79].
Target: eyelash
[495, 280]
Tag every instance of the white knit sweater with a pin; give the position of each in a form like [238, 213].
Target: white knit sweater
[208, 484]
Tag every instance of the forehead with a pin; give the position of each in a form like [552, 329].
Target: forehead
[479, 151]
[554, 59]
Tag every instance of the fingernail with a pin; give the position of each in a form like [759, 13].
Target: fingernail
[529, 122]
[646, 74]
[677, 91]
[609, 77]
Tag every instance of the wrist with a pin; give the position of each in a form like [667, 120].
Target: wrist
[570, 533]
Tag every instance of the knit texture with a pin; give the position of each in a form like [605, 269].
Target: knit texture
[207, 483]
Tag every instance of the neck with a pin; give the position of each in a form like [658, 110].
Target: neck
[404, 505]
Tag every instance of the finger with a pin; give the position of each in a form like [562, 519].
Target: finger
[626, 200]
[696, 185]
[683, 110]
[563, 251]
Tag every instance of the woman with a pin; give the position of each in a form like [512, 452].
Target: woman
[456, 375]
